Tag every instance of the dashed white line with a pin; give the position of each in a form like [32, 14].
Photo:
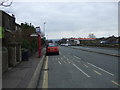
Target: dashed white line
[78, 61]
[115, 83]
[97, 72]
[81, 70]
[85, 65]
[68, 62]
[60, 53]
[64, 62]
[101, 69]
[67, 59]
[64, 56]
[77, 57]
[59, 62]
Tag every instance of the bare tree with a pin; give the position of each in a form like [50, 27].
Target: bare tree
[6, 3]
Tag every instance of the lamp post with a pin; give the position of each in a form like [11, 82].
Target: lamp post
[44, 27]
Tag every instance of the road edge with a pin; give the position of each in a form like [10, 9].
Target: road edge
[34, 80]
[96, 52]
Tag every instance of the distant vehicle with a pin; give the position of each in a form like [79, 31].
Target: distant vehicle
[65, 44]
[52, 49]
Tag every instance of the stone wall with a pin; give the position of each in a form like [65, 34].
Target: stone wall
[4, 59]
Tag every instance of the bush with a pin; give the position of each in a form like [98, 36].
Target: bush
[25, 44]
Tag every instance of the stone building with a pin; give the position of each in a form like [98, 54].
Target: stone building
[11, 45]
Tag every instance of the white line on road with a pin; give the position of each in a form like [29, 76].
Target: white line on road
[81, 70]
[85, 65]
[64, 56]
[45, 78]
[68, 61]
[97, 72]
[64, 62]
[115, 83]
[59, 62]
[100, 69]
[61, 58]
[78, 61]
[60, 53]
[77, 57]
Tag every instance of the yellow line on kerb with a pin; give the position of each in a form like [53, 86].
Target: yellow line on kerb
[45, 78]
[97, 72]
[115, 83]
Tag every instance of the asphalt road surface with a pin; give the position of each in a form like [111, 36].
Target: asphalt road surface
[80, 69]
[100, 49]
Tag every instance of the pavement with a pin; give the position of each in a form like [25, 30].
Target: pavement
[100, 51]
[22, 75]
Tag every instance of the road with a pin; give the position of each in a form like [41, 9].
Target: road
[80, 69]
[113, 51]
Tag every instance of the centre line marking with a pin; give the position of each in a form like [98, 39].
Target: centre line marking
[85, 65]
[77, 57]
[115, 83]
[67, 59]
[64, 62]
[81, 70]
[101, 69]
[78, 61]
[59, 62]
[68, 62]
[97, 72]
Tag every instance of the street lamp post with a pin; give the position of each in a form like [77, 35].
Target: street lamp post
[44, 27]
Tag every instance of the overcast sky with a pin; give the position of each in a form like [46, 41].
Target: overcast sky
[69, 19]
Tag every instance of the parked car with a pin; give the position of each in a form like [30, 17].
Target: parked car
[52, 49]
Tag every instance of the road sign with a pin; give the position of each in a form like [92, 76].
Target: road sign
[38, 30]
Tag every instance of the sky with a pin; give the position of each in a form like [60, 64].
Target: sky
[69, 19]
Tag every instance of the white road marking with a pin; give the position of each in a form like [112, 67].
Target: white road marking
[85, 65]
[67, 59]
[64, 56]
[60, 53]
[45, 78]
[64, 62]
[81, 70]
[78, 61]
[77, 57]
[115, 83]
[101, 69]
[68, 62]
[61, 58]
[97, 72]
[59, 62]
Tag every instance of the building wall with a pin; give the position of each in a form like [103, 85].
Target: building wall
[8, 22]
[13, 56]
[0, 18]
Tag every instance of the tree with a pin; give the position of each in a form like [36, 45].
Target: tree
[91, 35]
[5, 3]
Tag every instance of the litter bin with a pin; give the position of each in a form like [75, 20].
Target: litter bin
[25, 55]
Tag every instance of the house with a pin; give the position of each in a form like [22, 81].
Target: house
[11, 52]
[82, 41]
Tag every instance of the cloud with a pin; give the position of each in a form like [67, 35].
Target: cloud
[69, 19]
